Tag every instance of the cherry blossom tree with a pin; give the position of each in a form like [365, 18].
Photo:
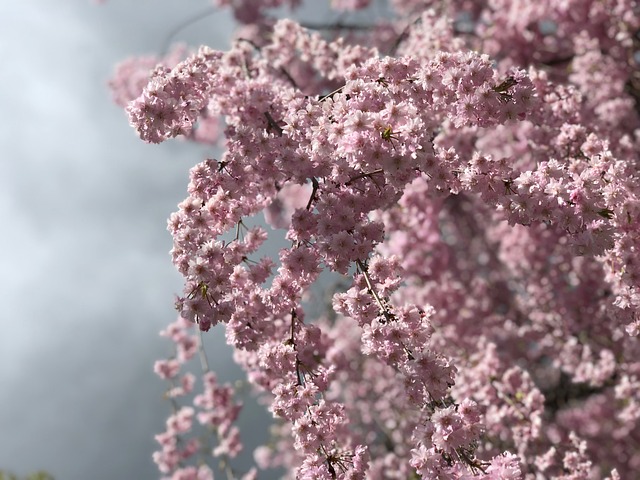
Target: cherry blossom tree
[472, 170]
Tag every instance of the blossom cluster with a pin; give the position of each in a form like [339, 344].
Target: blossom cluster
[471, 169]
[214, 409]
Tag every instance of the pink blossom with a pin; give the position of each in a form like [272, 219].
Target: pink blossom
[470, 172]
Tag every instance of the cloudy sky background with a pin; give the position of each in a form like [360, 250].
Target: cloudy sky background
[85, 279]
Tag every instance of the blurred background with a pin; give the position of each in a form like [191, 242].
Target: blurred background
[86, 281]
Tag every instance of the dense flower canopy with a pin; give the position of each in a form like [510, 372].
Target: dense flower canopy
[472, 169]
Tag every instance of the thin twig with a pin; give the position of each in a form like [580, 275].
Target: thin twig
[329, 95]
[272, 124]
[403, 36]
[387, 315]
[204, 361]
[336, 26]
[172, 33]
[364, 175]
[316, 186]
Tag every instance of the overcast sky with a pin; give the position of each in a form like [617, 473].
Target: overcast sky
[86, 281]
